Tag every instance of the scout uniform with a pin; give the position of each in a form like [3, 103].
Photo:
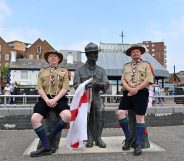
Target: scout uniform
[134, 75]
[52, 80]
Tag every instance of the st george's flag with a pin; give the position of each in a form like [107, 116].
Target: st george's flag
[79, 108]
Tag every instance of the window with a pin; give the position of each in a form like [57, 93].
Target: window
[152, 50]
[24, 74]
[6, 64]
[7, 57]
[153, 54]
[153, 45]
[37, 57]
[31, 56]
[39, 49]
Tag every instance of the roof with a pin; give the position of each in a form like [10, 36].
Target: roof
[30, 64]
[112, 58]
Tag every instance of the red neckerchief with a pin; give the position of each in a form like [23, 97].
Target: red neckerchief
[52, 75]
[134, 67]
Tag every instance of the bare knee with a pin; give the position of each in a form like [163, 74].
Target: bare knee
[66, 116]
[140, 119]
[36, 120]
[121, 114]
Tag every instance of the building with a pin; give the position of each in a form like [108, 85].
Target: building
[17, 50]
[37, 49]
[25, 72]
[176, 78]
[157, 50]
[71, 56]
[5, 53]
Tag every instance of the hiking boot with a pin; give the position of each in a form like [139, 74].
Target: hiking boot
[128, 144]
[40, 152]
[138, 150]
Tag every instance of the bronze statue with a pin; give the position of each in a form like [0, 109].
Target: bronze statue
[100, 82]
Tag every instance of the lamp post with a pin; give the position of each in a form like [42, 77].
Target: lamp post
[174, 79]
[122, 35]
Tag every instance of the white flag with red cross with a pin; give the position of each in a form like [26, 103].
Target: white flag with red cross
[79, 110]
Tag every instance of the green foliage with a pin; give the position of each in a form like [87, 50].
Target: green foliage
[4, 74]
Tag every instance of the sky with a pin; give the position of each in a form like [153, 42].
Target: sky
[71, 24]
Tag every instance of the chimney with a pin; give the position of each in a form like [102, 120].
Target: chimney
[13, 56]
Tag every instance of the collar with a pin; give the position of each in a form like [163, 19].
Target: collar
[90, 67]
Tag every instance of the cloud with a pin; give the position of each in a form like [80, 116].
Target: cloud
[4, 11]
[21, 34]
[174, 29]
[173, 38]
[80, 45]
[15, 33]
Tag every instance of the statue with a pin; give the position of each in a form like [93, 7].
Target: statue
[100, 82]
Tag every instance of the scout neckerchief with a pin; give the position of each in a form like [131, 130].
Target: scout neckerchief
[52, 75]
[53, 79]
[134, 67]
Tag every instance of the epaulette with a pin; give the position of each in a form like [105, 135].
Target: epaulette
[146, 61]
[127, 63]
[64, 70]
[43, 68]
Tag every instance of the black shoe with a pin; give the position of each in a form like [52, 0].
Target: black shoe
[128, 143]
[99, 142]
[40, 152]
[138, 150]
[89, 143]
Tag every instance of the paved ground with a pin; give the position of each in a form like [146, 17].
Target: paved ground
[14, 143]
[113, 145]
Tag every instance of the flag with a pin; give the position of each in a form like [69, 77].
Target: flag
[79, 111]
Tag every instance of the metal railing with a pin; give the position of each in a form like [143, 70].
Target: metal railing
[108, 100]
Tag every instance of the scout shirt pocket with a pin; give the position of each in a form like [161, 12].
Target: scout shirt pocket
[141, 74]
[127, 75]
[45, 78]
[60, 78]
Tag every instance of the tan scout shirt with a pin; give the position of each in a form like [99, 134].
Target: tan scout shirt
[61, 81]
[143, 72]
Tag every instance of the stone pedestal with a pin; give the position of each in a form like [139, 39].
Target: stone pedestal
[49, 124]
[132, 128]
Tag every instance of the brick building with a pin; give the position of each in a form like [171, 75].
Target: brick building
[5, 53]
[158, 51]
[14, 50]
[37, 49]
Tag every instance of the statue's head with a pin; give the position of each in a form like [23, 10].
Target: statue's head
[91, 51]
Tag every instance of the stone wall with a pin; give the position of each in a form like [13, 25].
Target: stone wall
[20, 118]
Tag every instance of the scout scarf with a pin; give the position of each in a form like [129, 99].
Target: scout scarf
[134, 67]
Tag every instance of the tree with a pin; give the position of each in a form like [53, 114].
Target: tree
[4, 75]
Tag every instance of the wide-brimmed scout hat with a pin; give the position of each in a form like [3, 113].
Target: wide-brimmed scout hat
[46, 55]
[133, 47]
[91, 47]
